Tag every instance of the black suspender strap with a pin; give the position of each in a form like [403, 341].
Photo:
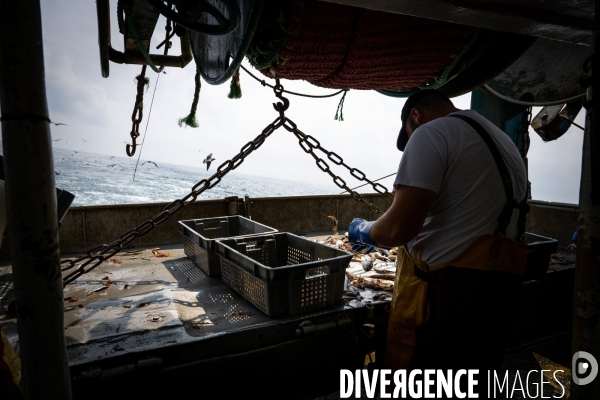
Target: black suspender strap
[511, 202]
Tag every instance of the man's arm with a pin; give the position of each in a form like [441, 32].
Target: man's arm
[404, 219]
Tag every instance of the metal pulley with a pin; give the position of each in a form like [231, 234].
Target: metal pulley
[553, 121]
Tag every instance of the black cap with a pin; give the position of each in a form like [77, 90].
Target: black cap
[411, 102]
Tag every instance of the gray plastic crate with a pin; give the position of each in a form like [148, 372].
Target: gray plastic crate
[283, 273]
[199, 236]
[539, 250]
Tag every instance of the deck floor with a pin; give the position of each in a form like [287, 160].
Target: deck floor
[150, 302]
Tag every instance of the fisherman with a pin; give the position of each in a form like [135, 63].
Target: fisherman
[459, 213]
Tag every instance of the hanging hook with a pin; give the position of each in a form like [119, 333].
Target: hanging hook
[130, 148]
[280, 107]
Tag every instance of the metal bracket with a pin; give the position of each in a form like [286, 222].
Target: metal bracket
[144, 364]
[107, 53]
[553, 121]
[310, 328]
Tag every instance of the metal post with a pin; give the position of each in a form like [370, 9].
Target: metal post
[31, 201]
[586, 304]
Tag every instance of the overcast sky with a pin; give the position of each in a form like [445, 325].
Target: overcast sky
[99, 110]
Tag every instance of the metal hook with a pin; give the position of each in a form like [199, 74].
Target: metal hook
[280, 107]
[130, 148]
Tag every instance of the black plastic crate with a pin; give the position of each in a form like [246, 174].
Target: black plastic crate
[540, 248]
[199, 236]
[283, 273]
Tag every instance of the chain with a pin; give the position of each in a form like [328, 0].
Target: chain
[138, 112]
[168, 35]
[312, 96]
[136, 116]
[309, 144]
[101, 253]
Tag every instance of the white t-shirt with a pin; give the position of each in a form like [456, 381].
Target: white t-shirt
[449, 157]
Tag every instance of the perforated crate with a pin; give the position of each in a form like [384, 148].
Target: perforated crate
[540, 248]
[199, 236]
[283, 273]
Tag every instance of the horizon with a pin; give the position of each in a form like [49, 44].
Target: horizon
[200, 167]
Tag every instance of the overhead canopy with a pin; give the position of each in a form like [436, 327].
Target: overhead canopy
[563, 20]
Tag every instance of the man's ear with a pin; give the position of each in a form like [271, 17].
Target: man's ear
[416, 116]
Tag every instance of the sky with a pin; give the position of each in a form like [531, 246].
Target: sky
[97, 113]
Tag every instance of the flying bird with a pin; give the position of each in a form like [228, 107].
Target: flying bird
[208, 160]
[56, 173]
[112, 165]
[151, 162]
[56, 140]
[84, 140]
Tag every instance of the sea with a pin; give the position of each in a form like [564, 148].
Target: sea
[99, 179]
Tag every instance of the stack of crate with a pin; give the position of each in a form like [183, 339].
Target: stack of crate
[276, 272]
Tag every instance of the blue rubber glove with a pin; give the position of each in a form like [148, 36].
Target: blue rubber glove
[359, 235]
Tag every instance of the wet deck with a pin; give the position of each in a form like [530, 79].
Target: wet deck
[137, 301]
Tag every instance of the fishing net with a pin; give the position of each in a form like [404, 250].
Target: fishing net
[336, 46]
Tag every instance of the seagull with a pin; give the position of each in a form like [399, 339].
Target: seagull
[208, 160]
[113, 157]
[56, 140]
[84, 140]
[151, 162]
[56, 173]
[112, 165]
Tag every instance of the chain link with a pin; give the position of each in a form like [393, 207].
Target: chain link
[138, 112]
[99, 254]
[309, 144]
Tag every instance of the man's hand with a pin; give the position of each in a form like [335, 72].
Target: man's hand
[405, 218]
[359, 235]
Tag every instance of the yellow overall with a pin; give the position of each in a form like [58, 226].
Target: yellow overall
[10, 370]
[459, 314]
